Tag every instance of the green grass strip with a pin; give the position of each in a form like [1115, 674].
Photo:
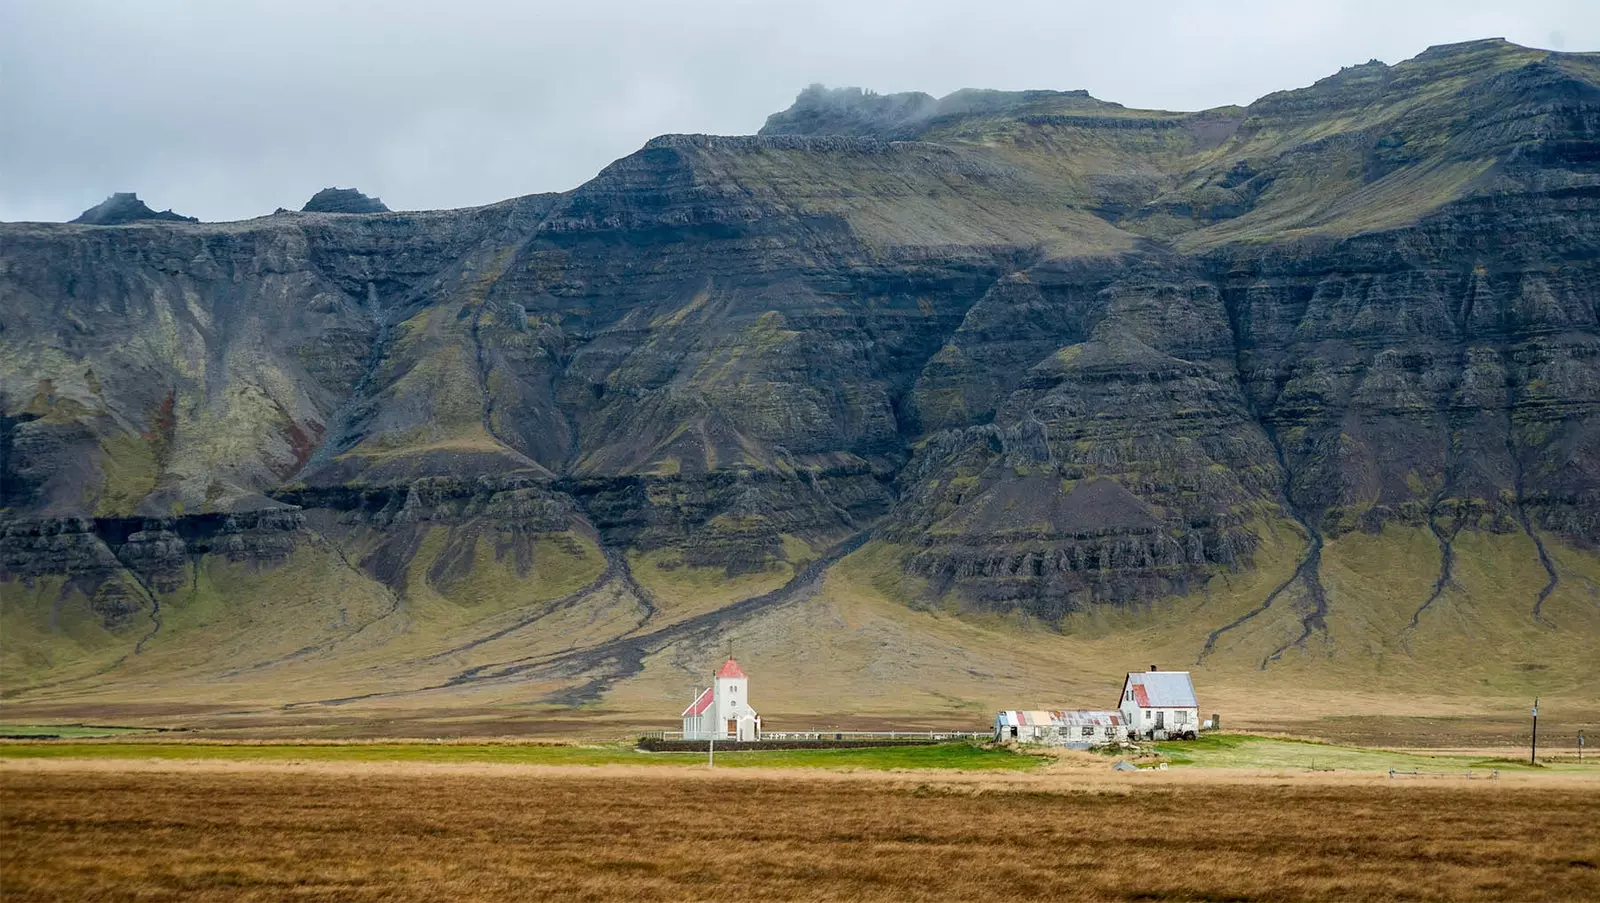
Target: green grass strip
[963, 756]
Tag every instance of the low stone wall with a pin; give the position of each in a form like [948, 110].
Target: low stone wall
[653, 745]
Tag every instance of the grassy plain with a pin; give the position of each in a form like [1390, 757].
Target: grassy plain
[426, 834]
[1242, 751]
[961, 756]
[1237, 752]
[64, 731]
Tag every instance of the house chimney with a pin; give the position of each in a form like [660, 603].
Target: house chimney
[1152, 667]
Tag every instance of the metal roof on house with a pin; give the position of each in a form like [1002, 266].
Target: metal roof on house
[730, 668]
[1043, 718]
[1162, 689]
[701, 703]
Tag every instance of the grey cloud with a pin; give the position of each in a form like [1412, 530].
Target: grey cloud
[227, 110]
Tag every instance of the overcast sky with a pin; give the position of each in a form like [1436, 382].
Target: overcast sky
[228, 109]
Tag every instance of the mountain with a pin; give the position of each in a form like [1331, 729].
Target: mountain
[125, 207]
[343, 200]
[937, 403]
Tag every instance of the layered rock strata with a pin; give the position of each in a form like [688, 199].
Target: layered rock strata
[1058, 352]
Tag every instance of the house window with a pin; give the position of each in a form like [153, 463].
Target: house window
[1088, 730]
[1182, 717]
[1147, 713]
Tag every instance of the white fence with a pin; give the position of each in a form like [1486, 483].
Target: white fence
[847, 735]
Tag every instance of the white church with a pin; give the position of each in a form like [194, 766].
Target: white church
[722, 711]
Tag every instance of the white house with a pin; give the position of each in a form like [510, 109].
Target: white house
[1076, 729]
[1160, 705]
[722, 711]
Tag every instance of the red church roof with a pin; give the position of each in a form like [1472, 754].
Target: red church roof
[730, 669]
[702, 703]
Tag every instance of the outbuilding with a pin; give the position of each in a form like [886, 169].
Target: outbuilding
[1160, 705]
[1077, 729]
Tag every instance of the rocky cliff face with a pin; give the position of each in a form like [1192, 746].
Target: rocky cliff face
[1055, 353]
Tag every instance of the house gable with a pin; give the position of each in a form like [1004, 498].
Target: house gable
[1158, 690]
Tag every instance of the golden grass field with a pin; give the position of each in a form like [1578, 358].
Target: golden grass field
[76, 830]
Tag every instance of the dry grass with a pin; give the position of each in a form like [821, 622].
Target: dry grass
[433, 835]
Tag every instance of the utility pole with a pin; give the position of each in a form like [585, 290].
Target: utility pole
[1580, 747]
[1533, 751]
[711, 750]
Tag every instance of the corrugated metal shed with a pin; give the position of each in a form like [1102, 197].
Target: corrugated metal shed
[1083, 717]
[1043, 718]
[1163, 689]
